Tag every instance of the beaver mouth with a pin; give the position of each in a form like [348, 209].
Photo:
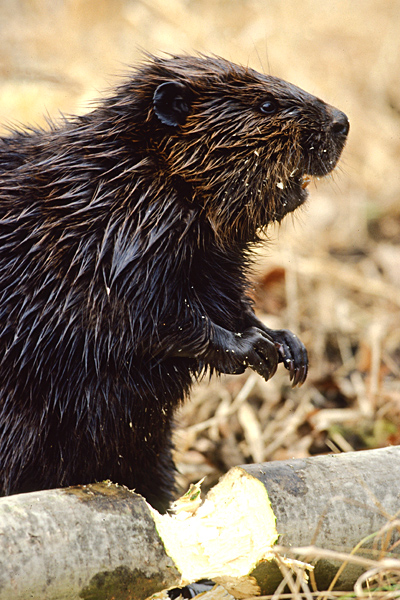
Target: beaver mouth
[293, 194]
[304, 181]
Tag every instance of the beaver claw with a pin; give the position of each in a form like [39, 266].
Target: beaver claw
[292, 353]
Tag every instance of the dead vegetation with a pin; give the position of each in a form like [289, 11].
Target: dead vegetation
[332, 273]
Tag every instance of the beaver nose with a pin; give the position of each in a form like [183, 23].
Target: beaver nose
[340, 123]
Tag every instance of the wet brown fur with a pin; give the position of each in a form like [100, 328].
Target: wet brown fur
[125, 237]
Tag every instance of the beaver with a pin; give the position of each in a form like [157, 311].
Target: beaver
[126, 238]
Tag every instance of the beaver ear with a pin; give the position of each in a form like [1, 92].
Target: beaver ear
[171, 103]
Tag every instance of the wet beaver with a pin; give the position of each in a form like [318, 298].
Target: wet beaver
[125, 240]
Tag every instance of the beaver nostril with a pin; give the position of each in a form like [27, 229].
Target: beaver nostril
[340, 125]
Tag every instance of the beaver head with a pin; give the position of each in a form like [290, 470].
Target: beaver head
[242, 145]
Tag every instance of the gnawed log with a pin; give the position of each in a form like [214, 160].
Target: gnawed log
[103, 541]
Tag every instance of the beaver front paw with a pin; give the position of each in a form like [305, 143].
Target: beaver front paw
[234, 352]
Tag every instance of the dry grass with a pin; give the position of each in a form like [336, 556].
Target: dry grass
[332, 273]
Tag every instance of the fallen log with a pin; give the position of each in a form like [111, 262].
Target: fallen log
[81, 542]
[104, 541]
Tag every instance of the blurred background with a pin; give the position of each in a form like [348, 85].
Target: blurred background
[331, 273]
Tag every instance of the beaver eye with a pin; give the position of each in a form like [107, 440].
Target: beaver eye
[269, 107]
